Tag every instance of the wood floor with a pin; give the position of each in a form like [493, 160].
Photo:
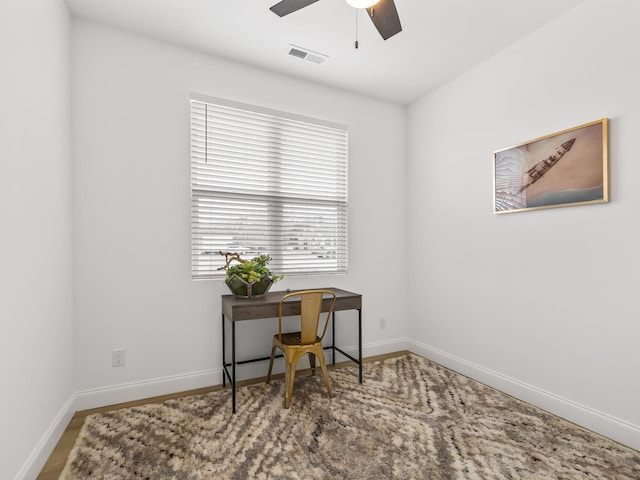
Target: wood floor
[58, 458]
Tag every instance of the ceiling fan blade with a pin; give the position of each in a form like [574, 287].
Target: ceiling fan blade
[285, 7]
[384, 16]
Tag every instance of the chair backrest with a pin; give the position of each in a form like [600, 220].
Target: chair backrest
[310, 310]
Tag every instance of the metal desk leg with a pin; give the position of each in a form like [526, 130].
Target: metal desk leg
[333, 338]
[360, 343]
[224, 356]
[233, 366]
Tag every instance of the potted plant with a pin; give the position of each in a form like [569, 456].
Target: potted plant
[248, 278]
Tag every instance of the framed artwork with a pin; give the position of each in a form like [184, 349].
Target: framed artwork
[562, 169]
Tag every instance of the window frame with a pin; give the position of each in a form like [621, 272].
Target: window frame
[328, 254]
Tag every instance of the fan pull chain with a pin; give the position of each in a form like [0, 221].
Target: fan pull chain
[356, 44]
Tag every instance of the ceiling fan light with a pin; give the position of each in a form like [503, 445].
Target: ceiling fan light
[362, 3]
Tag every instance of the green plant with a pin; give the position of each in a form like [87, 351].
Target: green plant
[249, 270]
[253, 270]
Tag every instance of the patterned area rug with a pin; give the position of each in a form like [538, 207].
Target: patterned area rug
[411, 419]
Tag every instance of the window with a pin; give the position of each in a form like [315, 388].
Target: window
[266, 182]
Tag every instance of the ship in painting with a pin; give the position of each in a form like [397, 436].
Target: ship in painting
[536, 172]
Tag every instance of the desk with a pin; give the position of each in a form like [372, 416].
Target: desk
[239, 309]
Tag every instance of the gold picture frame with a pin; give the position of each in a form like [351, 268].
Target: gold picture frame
[562, 169]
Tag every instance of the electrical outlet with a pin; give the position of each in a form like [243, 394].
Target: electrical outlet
[383, 323]
[119, 358]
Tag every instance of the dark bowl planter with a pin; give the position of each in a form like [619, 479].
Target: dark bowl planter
[243, 289]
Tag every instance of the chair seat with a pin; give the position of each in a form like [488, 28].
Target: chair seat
[291, 338]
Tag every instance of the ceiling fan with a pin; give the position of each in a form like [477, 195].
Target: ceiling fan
[383, 13]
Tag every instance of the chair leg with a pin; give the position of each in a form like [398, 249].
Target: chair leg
[325, 374]
[273, 354]
[312, 362]
[291, 358]
[290, 375]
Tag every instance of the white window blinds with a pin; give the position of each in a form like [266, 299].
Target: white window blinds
[265, 182]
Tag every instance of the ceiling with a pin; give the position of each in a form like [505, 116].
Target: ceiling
[440, 39]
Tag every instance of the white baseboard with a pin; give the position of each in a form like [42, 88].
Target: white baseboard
[380, 348]
[599, 422]
[115, 394]
[40, 454]
[128, 392]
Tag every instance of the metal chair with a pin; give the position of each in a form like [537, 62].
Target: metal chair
[295, 344]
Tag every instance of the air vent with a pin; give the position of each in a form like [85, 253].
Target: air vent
[306, 54]
[314, 58]
[297, 53]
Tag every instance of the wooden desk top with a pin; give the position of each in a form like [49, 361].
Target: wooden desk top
[236, 309]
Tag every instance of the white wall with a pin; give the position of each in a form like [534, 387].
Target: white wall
[36, 358]
[132, 213]
[542, 304]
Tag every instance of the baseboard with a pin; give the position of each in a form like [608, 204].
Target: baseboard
[115, 394]
[380, 348]
[128, 392]
[599, 422]
[40, 454]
